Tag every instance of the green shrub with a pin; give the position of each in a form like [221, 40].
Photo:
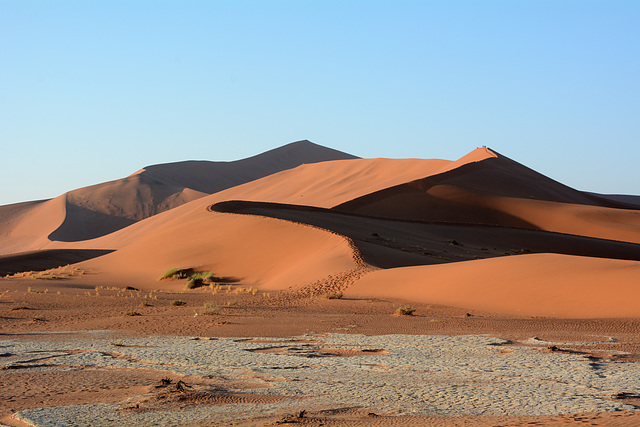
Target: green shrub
[199, 279]
[193, 282]
[406, 310]
[174, 273]
[206, 276]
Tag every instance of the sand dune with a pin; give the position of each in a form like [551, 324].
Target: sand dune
[26, 226]
[101, 209]
[302, 223]
[391, 243]
[498, 191]
[328, 184]
[324, 183]
[320, 184]
[533, 285]
[257, 251]
[634, 201]
[211, 177]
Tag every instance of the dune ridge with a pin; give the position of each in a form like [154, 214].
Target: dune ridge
[499, 191]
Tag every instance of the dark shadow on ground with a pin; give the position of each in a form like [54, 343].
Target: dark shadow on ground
[44, 260]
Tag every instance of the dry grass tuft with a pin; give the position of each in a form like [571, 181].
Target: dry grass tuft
[406, 310]
[333, 295]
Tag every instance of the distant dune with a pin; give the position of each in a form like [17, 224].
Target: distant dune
[98, 210]
[483, 232]
[499, 191]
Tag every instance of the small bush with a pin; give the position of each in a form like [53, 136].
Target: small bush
[333, 295]
[206, 276]
[39, 319]
[193, 282]
[406, 310]
[199, 279]
[178, 302]
[132, 313]
[174, 273]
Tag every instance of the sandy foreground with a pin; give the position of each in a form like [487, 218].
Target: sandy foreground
[72, 353]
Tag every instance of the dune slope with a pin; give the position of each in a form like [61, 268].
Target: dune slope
[391, 243]
[498, 191]
[531, 285]
[257, 251]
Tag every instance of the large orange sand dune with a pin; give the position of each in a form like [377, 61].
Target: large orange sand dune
[270, 253]
[533, 285]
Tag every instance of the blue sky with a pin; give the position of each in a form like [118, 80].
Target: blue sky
[94, 90]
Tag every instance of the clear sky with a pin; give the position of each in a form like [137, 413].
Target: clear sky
[92, 91]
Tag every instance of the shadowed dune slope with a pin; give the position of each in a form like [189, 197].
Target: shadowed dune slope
[211, 177]
[633, 201]
[531, 285]
[43, 260]
[104, 208]
[98, 210]
[391, 243]
[499, 191]
[331, 183]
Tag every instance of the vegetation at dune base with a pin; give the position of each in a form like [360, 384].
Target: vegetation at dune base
[178, 302]
[405, 310]
[195, 279]
[211, 308]
[199, 279]
[174, 273]
[333, 295]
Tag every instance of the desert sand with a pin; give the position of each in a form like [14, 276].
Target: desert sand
[308, 252]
